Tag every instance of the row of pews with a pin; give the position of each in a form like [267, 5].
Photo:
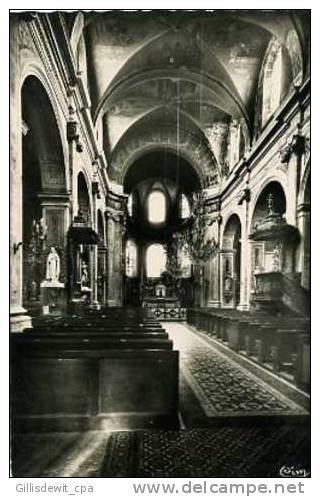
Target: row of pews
[279, 343]
[106, 369]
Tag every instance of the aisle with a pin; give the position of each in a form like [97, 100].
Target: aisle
[221, 386]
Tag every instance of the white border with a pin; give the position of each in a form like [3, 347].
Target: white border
[118, 486]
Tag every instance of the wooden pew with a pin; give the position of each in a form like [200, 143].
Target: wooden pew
[75, 390]
[257, 335]
[73, 378]
[285, 351]
[303, 362]
[74, 342]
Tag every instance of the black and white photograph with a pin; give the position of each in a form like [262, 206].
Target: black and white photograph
[160, 248]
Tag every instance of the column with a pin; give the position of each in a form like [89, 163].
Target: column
[245, 270]
[303, 220]
[115, 208]
[94, 261]
[102, 254]
[18, 315]
[214, 293]
[115, 259]
[245, 262]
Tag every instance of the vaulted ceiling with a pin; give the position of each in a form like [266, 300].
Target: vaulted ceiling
[188, 70]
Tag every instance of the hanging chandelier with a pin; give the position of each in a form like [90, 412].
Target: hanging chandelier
[194, 238]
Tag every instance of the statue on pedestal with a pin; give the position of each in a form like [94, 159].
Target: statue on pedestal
[52, 270]
[85, 278]
[52, 290]
[53, 266]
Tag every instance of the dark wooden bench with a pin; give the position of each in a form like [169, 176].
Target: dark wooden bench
[98, 389]
[76, 343]
[262, 337]
[286, 349]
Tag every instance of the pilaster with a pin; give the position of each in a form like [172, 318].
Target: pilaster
[18, 315]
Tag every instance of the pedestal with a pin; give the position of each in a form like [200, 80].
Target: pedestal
[52, 297]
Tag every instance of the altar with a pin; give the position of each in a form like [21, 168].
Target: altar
[161, 301]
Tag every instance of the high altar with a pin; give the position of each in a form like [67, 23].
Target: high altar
[159, 296]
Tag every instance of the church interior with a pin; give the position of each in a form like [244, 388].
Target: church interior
[160, 243]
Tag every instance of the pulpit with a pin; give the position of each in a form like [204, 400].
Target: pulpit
[273, 246]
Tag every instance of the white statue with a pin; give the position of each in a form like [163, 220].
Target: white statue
[53, 266]
[84, 275]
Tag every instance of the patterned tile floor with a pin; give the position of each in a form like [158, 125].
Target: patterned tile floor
[210, 453]
[223, 387]
[198, 452]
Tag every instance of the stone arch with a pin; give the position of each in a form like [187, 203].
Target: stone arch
[41, 128]
[191, 149]
[260, 208]
[81, 59]
[76, 32]
[280, 179]
[231, 228]
[34, 69]
[44, 188]
[293, 45]
[231, 261]
[274, 49]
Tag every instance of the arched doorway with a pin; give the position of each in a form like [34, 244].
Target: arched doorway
[44, 196]
[231, 262]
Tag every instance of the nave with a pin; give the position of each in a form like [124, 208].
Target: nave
[232, 422]
[160, 203]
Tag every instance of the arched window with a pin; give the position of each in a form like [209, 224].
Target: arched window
[156, 260]
[130, 205]
[156, 207]
[131, 259]
[272, 82]
[184, 207]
